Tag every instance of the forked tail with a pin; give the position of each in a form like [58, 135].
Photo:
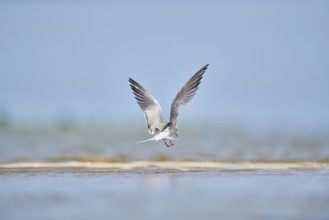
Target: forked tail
[150, 139]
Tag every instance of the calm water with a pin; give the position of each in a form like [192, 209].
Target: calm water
[157, 193]
[70, 173]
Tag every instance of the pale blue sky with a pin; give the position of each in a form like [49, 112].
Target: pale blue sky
[269, 60]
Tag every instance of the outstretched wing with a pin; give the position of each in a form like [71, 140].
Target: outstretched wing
[185, 95]
[150, 107]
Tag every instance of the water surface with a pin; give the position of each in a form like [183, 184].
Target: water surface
[162, 190]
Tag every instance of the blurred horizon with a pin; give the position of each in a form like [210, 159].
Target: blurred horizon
[255, 138]
[71, 60]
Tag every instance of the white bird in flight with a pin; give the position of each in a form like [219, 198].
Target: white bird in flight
[152, 109]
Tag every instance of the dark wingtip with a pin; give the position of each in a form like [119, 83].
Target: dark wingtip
[202, 70]
[133, 83]
[205, 67]
[131, 80]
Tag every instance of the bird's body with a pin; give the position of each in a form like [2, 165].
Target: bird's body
[163, 135]
[152, 109]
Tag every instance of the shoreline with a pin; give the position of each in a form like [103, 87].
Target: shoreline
[175, 165]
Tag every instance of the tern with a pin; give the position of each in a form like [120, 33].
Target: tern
[152, 109]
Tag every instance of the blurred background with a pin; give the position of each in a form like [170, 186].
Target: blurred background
[64, 69]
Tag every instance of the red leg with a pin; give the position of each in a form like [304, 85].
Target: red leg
[171, 143]
[166, 143]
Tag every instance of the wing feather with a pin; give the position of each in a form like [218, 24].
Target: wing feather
[185, 95]
[149, 105]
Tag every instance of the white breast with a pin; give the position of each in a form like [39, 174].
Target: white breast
[163, 135]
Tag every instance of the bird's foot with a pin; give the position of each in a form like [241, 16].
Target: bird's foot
[166, 143]
[170, 143]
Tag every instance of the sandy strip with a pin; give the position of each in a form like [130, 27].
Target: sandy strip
[178, 165]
